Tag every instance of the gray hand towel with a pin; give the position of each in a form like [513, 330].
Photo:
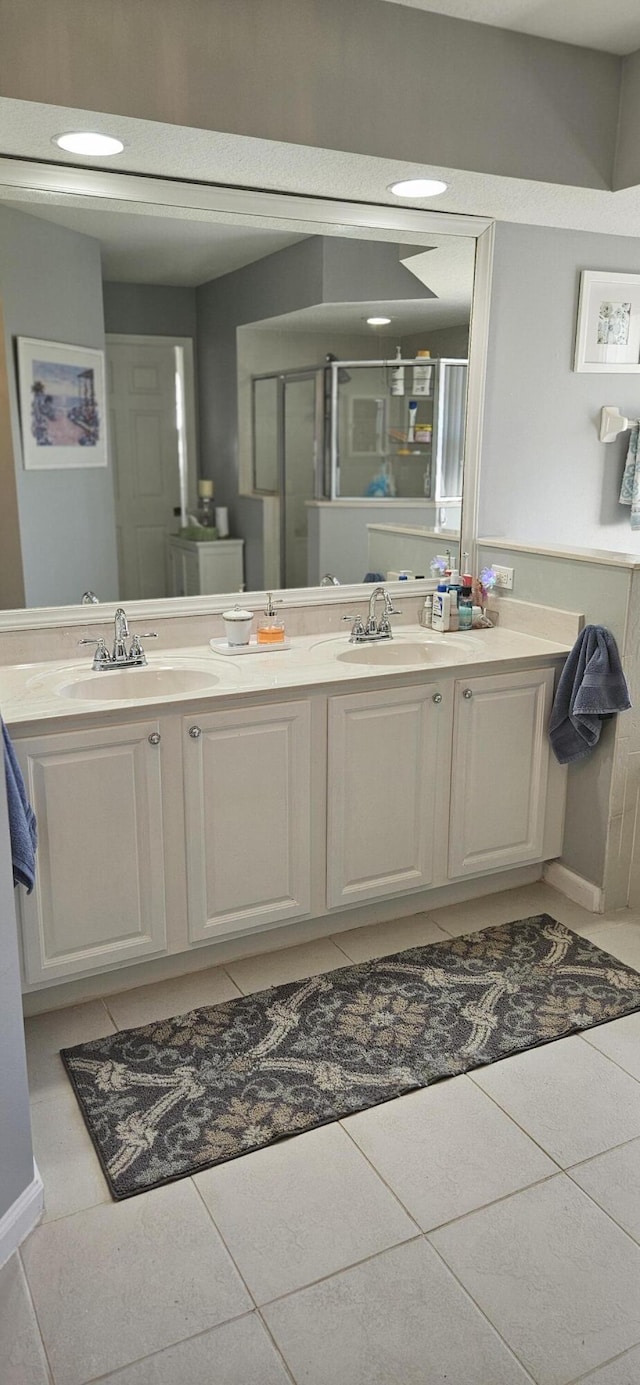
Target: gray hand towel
[592, 686]
[22, 820]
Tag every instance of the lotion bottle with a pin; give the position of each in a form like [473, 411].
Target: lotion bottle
[441, 608]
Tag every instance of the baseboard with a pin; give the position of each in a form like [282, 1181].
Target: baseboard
[575, 887]
[21, 1217]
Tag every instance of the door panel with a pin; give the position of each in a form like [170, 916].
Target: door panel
[500, 769]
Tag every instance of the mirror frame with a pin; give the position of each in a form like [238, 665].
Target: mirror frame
[307, 215]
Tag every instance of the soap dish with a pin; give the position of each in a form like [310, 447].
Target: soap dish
[221, 647]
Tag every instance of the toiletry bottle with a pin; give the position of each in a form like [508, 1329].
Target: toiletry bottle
[426, 614]
[397, 375]
[413, 413]
[423, 374]
[441, 608]
[465, 609]
[454, 592]
[271, 629]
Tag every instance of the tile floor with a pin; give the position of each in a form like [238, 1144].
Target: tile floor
[485, 1231]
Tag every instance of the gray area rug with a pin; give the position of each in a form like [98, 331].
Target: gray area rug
[184, 1094]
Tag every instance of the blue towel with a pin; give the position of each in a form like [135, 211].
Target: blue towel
[22, 820]
[592, 686]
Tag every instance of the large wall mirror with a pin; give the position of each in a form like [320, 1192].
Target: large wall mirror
[200, 403]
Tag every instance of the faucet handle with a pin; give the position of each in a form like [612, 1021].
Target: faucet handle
[148, 635]
[389, 608]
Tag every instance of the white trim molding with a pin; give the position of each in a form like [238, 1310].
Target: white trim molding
[23, 1215]
[575, 887]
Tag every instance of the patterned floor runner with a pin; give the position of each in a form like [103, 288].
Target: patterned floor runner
[183, 1094]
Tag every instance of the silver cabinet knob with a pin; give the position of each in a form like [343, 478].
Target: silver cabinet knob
[437, 697]
[194, 732]
[154, 738]
[467, 693]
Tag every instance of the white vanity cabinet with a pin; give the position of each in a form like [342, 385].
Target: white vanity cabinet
[99, 896]
[499, 772]
[388, 790]
[247, 817]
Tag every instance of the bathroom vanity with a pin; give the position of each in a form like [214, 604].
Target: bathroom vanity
[207, 797]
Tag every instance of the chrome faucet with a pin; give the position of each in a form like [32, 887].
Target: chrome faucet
[120, 656]
[360, 633]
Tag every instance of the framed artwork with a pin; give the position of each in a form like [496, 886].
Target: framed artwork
[62, 405]
[608, 335]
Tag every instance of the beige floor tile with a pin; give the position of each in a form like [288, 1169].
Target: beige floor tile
[115, 1283]
[380, 939]
[238, 1353]
[447, 1150]
[22, 1358]
[289, 964]
[613, 1181]
[66, 1159]
[164, 999]
[624, 1371]
[398, 1319]
[568, 1097]
[620, 1040]
[47, 1034]
[302, 1209]
[554, 1274]
[493, 909]
[621, 939]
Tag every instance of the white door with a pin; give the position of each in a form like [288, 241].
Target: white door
[248, 818]
[99, 896]
[500, 769]
[388, 770]
[145, 448]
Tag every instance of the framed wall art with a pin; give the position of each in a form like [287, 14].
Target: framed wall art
[608, 334]
[62, 405]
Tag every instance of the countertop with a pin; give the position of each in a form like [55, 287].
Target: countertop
[30, 694]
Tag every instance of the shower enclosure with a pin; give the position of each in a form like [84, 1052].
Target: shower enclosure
[336, 431]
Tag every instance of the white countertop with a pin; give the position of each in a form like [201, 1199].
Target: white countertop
[30, 694]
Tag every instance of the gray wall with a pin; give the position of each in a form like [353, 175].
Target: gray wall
[546, 477]
[154, 310]
[446, 341]
[51, 288]
[601, 593]
[16, 1158]
[362, 76]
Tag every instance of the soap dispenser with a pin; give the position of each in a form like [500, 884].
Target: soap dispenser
[270, 629]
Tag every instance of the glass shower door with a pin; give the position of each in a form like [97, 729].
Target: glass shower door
[301, 434]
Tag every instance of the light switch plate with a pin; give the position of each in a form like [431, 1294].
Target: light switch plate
[504, 577]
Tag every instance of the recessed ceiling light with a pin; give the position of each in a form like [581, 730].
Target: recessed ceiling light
[88, 142]
[378, 321]
[418, 187]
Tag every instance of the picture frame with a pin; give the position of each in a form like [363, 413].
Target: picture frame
[61, 391]
[608, 330]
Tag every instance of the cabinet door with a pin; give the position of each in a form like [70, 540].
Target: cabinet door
[499, 772]
[99, 895]
[384, 781]
[248, 818]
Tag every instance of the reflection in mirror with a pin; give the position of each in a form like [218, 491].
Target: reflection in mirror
[261, 433]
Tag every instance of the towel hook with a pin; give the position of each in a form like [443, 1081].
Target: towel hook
[612, 422]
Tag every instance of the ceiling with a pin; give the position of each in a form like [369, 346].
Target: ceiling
[612, 28]
[176, 151]
[159, 250]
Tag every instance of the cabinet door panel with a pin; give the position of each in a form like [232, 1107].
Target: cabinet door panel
[99, 895]
[499, 773]
[382, 787]
[248, 814]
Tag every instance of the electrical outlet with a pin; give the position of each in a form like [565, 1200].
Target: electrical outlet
[504, 578]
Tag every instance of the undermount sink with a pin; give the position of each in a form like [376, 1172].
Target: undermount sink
[108, 686]
[390, 652]
[401, 651]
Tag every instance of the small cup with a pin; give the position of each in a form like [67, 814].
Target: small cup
[237, 625]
